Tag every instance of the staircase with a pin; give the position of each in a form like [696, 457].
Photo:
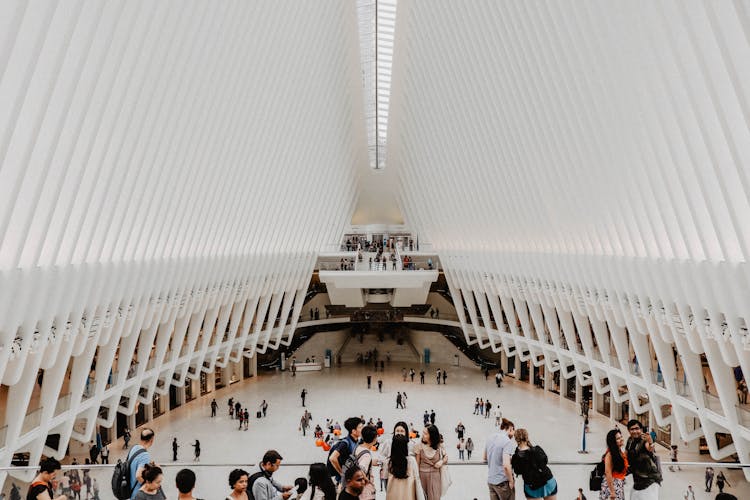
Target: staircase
[403, 352]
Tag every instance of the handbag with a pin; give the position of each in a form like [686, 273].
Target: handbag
[445, 480]
[597, 476]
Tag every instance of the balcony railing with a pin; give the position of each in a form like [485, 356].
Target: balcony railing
[31, 421]
[743, 414]
[712, 402]
[62, 405]
[469, 479]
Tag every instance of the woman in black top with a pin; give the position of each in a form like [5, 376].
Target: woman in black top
[355, 482]
[321, 486]
[531, 463]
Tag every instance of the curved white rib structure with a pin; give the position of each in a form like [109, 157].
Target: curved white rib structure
[162, 170]
[583, 170]
[169, 172]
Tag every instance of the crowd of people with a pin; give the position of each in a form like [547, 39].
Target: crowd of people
[408, 464]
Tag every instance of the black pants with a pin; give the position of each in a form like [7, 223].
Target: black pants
[105, 460]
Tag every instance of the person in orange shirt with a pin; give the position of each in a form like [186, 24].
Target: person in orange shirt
[615, 468]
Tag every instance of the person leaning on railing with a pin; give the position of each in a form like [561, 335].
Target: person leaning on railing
[530, 462]
[44, 484]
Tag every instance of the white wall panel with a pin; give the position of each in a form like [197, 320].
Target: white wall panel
[589, 160]
[163, 165]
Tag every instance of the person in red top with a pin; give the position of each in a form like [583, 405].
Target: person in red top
[44, 484]
[615, 468]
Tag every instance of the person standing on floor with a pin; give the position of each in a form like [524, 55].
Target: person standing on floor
[430, 456]
[174, 449]
[673, 457]
[498, 451]
[304, 423]
[438, 374]
[646, 475]
[720, 480]
[399, 401]
[380, 385]
[214, 407]
[460, 430]
[709, 478]
[530, 462]
[421, 377]
[231, 407]
[303, 395]
[246, 418]
[344, 448]
[445, 377]
[105, 453]
[237, 410]
[139, 456]
[369, 380]
[426, 418]
[615, 468]
[197, 451]
[412, 373]
[126, 438]
[403, 472]
[461, 447]
[365, 460]
[469, 448]
[432, 417]
[264, 407]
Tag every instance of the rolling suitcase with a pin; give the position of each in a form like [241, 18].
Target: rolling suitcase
[259, 414]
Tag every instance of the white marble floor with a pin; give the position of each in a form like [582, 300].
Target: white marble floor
[341, 392]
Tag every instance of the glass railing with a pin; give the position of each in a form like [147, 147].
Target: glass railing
[62, 405]
[743, 414]
[469, 478]
[712, 402]
[682, 388]
[31, 421]
[657, 378]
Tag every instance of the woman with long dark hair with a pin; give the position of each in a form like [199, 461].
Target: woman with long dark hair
[403, 472]
[430, 456]
[321, 486]
[615, 468]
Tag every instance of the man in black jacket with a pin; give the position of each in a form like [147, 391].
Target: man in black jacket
[646, 474]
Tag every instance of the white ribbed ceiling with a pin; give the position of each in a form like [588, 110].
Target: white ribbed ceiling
[170, 171]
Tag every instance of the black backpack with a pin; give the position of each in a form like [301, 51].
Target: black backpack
[597, 476]
[250, 482]
[121, 477]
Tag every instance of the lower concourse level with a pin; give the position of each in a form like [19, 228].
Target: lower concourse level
[337, 393]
